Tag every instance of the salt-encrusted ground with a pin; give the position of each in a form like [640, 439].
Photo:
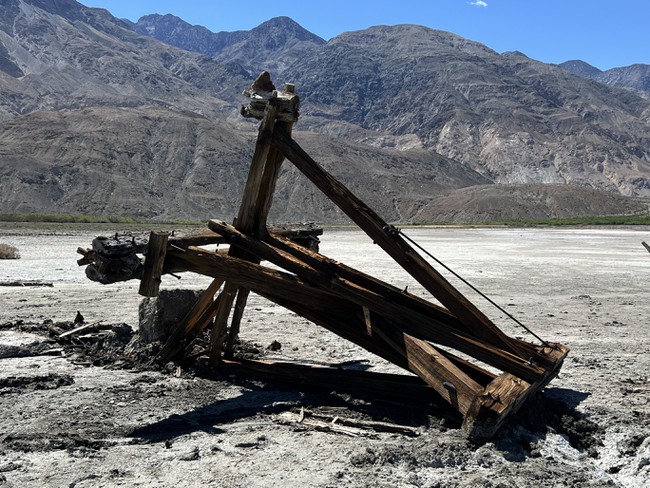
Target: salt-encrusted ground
[66, 423]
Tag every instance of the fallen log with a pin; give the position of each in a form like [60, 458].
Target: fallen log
[26, 283]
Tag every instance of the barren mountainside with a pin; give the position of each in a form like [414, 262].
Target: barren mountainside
[635, 77]
[154, 162]
[98, 115]
[509, 117]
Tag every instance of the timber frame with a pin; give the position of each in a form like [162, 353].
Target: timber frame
[402, 328]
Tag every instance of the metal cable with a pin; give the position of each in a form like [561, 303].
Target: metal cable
[489, 300]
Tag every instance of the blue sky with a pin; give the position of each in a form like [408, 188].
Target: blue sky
[606, 34]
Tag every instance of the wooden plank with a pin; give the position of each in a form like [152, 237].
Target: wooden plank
[646, 246]
[387, 386]
[153, 264]
[330, 266]
[246, 214]
[226, 299]
[452, 384]
[306, 300]
[258, 193]
[238, 313]
[385, 236]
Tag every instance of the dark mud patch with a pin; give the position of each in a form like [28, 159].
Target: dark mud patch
[24, 351]
[555, 411]
[57, 442]
[40, 382]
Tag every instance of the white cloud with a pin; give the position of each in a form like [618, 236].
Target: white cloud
[478, 3]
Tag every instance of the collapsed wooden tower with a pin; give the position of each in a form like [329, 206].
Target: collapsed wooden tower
[402, 328]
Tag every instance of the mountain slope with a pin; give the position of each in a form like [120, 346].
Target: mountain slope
[97, 118]
[509, 117]
[62, 55]
[175, 31]
[635, 77]
[271, 46]
[150, 161]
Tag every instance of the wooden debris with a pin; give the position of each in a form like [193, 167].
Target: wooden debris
[26, 283]
[291, 418]
[412, 333]
[646, 246]
[82, 328]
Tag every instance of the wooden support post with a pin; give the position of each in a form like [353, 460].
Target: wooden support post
[153, 264]
[260, 185]
[226, 299]
[238, 312]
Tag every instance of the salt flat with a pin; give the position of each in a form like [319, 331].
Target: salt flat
[585, 288]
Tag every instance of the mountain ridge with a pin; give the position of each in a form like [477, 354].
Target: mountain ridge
[422, 114]
[635, 77]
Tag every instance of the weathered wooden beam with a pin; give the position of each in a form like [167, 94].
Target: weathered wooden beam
[153, 264]
[388, 386]
[252, 276]
[534, 353]
[450, 382]
[260, 185]
[226, 299]
[388, 239]
[245, 219]
[502, 398]
[235, 324]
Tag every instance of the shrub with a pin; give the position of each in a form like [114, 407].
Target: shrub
[8, 252]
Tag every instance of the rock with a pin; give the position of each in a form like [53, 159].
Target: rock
[159, 315]
[9, 252]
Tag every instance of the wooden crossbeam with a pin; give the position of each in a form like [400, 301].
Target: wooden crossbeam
[262, 280]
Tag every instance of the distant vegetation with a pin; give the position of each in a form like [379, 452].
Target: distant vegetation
[86, 219]
[602, 220]
[95, 219]
[575, 221]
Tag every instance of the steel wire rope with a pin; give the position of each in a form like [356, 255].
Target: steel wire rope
[480, 293]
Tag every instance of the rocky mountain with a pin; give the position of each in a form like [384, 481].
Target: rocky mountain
[175, 31]
[273, 45]
[635, 77]
[59, 54]
[509, 117]
[581, 68]
[96, 117]
[154, 162]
